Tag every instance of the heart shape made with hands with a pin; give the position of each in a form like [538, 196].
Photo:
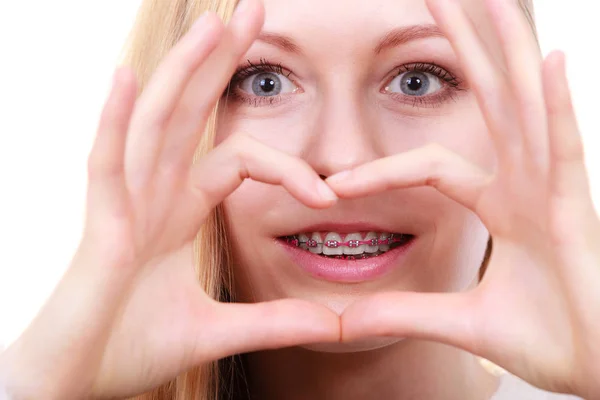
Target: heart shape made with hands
[535, 313]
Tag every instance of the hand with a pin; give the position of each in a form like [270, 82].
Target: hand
[536, 313]
[129, 313]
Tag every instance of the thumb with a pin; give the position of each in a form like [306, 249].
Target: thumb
[240, 328]
[442, 317]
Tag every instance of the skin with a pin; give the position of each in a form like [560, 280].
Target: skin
[134, 267]
[535, 312]
[456, 169]
[338, 119]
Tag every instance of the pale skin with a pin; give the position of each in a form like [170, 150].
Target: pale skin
[519, 169]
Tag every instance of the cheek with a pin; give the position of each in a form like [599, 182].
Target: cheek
[251, 204]
[456, 244]
[460, 128]
[458, 250]
[454, 239]
[244, 212]
[466, 133]
[283, 130]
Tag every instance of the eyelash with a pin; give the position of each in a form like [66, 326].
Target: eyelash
[250, 69]
[452, 82]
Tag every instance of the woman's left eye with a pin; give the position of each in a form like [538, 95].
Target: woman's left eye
[267, 84]
[414, 83]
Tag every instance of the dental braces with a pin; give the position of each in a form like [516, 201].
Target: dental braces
[354, 257]
[350, 243]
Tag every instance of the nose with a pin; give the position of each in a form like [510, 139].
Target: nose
[344, 134]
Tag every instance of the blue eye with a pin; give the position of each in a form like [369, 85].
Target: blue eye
[414, 83]
[266, 84]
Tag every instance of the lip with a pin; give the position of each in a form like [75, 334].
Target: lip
[344, 228]
[347, 271]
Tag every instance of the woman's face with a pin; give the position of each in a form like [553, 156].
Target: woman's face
[346, 82]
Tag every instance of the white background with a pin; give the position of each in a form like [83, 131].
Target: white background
[57, 60]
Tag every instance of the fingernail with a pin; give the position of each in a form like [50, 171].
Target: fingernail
[339, 177]
[563, 56]
[241, 7]
[199, 22]
[325, 191]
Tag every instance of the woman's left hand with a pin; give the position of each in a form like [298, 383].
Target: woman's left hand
[536, 312]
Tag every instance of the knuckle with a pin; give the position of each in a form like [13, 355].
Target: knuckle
[187, 112]
[187, 48]
[146, 117]
[492, 90]
[215, 23]
[437, 156]
[240, 141]
[493, 98]
[111, 241]
[242, 146]
[437, 162]
[95, 167]
[560, 107]
[100, 169]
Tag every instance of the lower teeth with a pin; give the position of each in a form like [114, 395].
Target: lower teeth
[353, 256]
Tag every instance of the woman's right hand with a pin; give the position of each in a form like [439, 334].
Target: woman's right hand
[129, 314]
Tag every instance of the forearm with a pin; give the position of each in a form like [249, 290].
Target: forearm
[59, 354]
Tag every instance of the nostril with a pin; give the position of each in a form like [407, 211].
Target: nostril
[323, 177]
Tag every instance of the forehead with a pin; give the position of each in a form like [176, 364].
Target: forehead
[354, 14]
[343, 16]
[322, 24]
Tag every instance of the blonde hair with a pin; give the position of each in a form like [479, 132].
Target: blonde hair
[158, 27]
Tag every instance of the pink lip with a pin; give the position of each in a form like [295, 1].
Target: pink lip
[347, 271]
[344, 228]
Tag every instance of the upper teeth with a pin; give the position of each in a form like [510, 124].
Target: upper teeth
[333, 244]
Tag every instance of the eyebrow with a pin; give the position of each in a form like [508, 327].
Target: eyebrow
[395, 37]
[283, 42]
[401, 36]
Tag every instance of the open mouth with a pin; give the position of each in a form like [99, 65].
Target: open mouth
[352, 246]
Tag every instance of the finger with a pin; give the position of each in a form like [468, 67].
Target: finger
[569, 176]
[221, 171]
[431, 165]
[446, 318]
[94, 283]
[106, 196]
[207, 85]
[489, 87]
[524, 64]
[161, 96]
[240, 328]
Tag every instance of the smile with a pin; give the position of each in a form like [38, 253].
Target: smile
[353, 258]
[354, 246]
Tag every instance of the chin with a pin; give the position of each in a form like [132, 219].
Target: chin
[365, 344]
[338, 305]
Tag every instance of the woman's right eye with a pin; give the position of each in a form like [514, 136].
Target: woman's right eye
[267, 84]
